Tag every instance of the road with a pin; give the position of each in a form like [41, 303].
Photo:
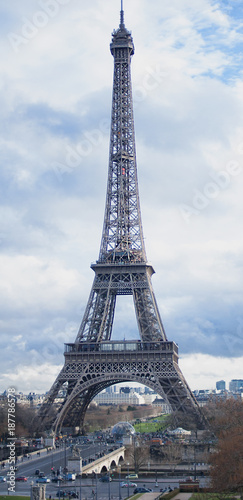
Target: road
[88, 486]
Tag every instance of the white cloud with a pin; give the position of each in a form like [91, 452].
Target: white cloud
[29, 377]
[28, 282]
[55, 102]
[203, 371]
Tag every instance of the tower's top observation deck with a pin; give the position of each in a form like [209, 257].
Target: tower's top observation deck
[122, 38]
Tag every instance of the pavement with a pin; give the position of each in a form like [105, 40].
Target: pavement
[182, 496]
[154, 495]
[150, 496]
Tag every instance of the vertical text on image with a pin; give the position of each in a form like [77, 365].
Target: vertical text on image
[11, 439]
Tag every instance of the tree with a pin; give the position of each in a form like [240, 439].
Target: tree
[26, 425]
[138, 454]
[3, 420]
[226, 418]
[181, 419]
[227, 462]
[26, 422]
[172, 454]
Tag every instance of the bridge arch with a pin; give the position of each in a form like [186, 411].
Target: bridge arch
[105, 463]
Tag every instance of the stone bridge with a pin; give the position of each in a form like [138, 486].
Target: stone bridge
[106, 463]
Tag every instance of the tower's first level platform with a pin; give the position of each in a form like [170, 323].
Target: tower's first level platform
[122, 349]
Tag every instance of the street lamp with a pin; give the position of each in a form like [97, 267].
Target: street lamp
[96, 482]
[109, 485]
[119, 469]
[80, 487]
[31, 490]
[156, 479]
[65, 453]
[128, 494]
[195, 464]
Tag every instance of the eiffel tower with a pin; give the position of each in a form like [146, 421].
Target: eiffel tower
[94, 362]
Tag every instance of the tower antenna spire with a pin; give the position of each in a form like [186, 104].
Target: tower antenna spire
[122, 15]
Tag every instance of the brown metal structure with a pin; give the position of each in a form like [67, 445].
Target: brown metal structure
[94, 362]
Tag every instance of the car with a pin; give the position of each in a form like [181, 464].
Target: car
[141, 489]
[56, 479]
[43, 480]
[131, 476]
[125, 484]
[2, 479]
[70, 477]
[105, 479]
[61, 493]
[72, 494]
[21, 478]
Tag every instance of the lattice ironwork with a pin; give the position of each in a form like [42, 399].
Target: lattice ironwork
[94, 362]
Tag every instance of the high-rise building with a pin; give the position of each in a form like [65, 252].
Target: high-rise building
[220, 385]
[236, 385]
[125, 390]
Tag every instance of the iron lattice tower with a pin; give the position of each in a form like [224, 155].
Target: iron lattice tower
[94, 362]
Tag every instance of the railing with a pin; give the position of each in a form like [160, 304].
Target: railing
[116, 346]
[119, 263]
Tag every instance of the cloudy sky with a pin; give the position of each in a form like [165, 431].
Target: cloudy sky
[56, 83]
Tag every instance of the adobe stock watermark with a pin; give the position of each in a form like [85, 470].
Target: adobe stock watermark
[201, 199]
[153, 77]
[40, 19]
[75, 156]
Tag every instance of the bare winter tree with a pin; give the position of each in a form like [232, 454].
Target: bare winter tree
[226, 472]
[138, 454]
[172, 454]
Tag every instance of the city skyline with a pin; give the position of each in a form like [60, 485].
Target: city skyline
[187, 92]
[234, 386]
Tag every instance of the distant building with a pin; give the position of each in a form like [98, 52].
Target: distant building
[149, 398]
[165, 408]
[111, 389]
[220, 385]
[126, 390]
[30, 399]
[236, 385]
[203, 395]
[119, 398]
[147, 390]
[139, 390]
